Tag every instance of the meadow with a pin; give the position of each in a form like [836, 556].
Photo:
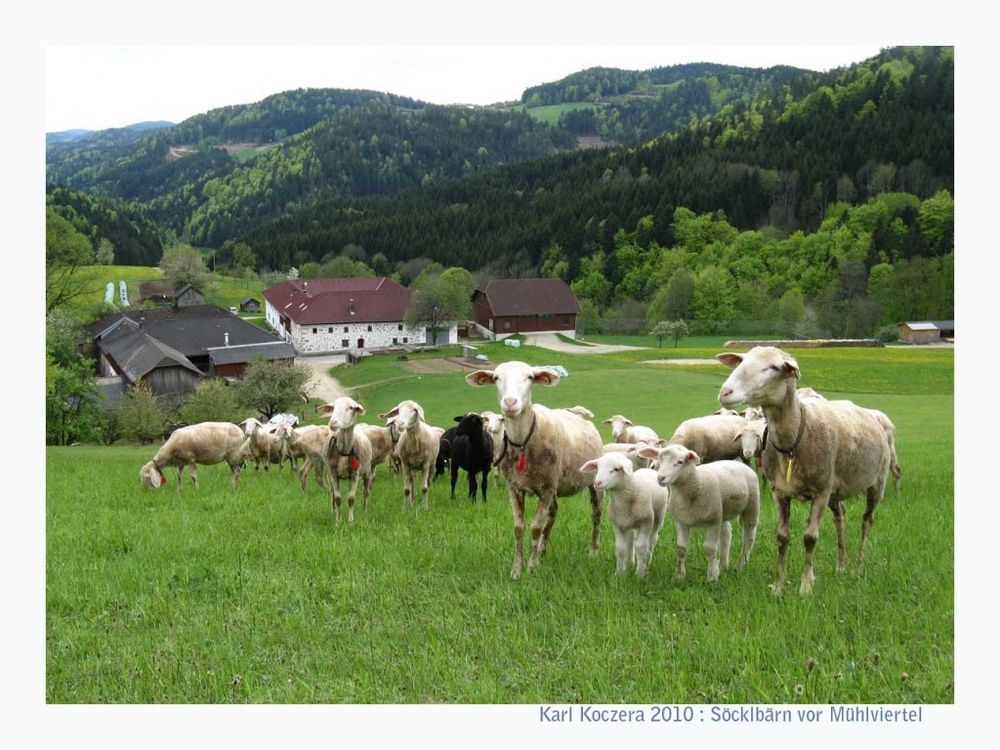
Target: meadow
[255, 595]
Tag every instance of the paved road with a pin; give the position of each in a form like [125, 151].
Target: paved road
[322, 385]
[553, 342]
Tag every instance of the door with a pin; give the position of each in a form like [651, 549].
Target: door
[361, 343]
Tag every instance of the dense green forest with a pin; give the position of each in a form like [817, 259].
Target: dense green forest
[134, 238]
[639, 105]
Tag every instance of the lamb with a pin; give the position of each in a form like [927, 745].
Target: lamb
[541, 453]
[417, 447]
[714, 438]
[623, 430]
[309, 443]
[636, 508]
[708, 495]
[268, 443]
[348, 454]
[472, 450]
[818, 450]
[203, 443]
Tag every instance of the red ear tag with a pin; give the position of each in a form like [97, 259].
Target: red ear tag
[163, 480]
[521, 463]
[354, 463]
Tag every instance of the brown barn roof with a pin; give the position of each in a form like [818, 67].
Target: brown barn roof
[529, 297]
[366, 299]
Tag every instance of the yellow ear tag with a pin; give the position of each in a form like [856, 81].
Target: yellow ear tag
[788, 471]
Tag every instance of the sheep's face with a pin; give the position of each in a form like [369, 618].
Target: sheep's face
[407, 415]
[618, 426]
[610, 470]
[250, 426]
[151, 477]
[343, 412]
[513, 381]
[751, 441]
[760, 377]
[469, 424]
[674, 460]
[492, 421]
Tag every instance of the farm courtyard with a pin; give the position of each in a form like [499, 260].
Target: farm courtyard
[255, 595]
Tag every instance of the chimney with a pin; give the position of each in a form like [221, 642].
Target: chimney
[226, 337]
[350, 306]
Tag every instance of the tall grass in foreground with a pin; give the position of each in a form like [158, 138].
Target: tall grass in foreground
[256, 596]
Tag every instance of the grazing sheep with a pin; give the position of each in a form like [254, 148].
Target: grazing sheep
[624, 431]
[203, 443]
[309, 443]
[417, 447]
[818, 450]
[708, 495]
[348, 454]
[472, 450]
[541, 453]
[636, 508]
[714, 438]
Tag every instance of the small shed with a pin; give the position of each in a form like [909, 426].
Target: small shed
[926, 331]
[188, 296]
[250, 304]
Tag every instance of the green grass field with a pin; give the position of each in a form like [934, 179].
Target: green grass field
[256, 596]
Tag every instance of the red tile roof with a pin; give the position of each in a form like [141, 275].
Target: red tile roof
[529, 297]
[309, 301]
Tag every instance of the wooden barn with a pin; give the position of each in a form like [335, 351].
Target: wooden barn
[926, 331]
[509, 306]
[189, 296]
[250, 304]
[137, 357]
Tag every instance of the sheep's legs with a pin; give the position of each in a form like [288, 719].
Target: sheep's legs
[713, 538]
[425, 484]
[180, 477]
[680, 568]
[454, 477]
[874, 498]
[809, 541]
[595, 518]
[473, 485]
[784, 507]
[335, 493]
[235, 480]
[749, 526]
[643, 550]
[517, 508]
[553, 510]
[351, 493]
[367, 489]
[726, 542]
[623, 550]
[482, 484]
[840, 521]
[407, 487]
[538, 528]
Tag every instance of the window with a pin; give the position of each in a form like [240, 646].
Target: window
[314, 330]
[395, 340]
[345, 329]
[400, 326]
[330, 329]
[406, 339]
[369, 328]
[344, 343]
[506, 325]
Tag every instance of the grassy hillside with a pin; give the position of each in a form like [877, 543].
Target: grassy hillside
[256, 596]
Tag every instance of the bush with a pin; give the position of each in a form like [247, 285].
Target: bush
[212, 401]
[888, 333]
[138, 417]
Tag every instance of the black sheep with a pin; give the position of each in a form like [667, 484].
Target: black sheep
[472, 450]
[444, 451]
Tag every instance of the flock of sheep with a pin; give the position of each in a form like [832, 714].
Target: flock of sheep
[808, 447]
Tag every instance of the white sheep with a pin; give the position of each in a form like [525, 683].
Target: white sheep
[205, 443]
[542, 451]
[493, 424]
[636, 506]
[709, 496]
[383, 441]
[348, 454]
[268, 442]
[623, 430]
[309, 443]
[714, 438]
[818, 450]
[890, 433]
[752, 438]
[630, 451]
[417, 447]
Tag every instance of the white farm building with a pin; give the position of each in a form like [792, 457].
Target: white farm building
[331, 315]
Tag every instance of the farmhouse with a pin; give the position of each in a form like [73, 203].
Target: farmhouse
[509, 306]
[327, 315]
[200, 340]
[926, 331]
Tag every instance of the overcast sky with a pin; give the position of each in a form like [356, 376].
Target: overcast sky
[95, 87]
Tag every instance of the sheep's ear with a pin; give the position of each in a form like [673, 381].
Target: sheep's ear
[648, 451]
[358, 407]
[730, 359]
[325, 408]
[420, 413]
[628, 422]
[790, 367]
[590, 467]
[459, 419]
[481, 377]
[661, 443]
[606, 421]
[544, 376]
[389, 414]
[692, 458]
